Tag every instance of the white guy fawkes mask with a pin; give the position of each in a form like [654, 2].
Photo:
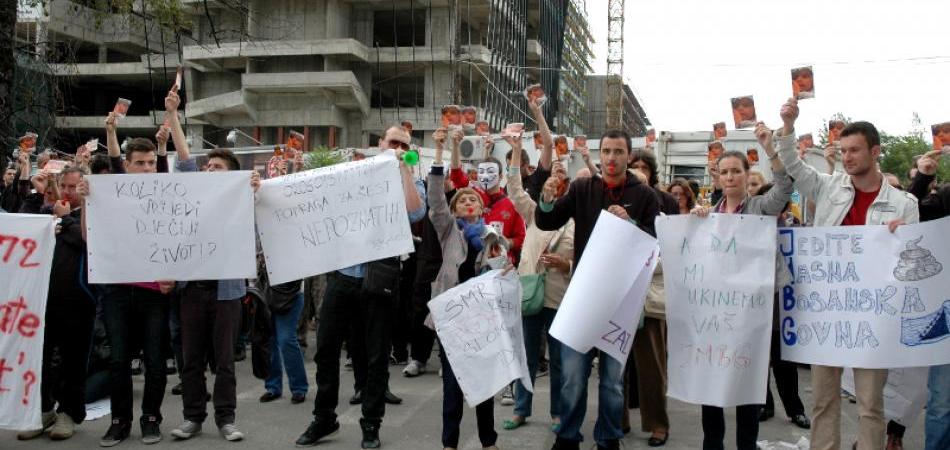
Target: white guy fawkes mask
[488, 176]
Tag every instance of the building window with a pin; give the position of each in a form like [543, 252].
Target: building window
[407, 28]
[401, 91]
[688, 172]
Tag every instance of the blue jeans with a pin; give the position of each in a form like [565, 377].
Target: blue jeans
[937, 422]
[575, 370]
[285, 353]
[533, 331]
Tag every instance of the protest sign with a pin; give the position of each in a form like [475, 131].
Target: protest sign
[603, 303]
[26, 256]
[326, 219]
[170, 226]
[479, 326]
[719, 274]
[865, 297]
[905, 393]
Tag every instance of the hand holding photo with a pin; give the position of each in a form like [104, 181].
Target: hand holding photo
[28, 141]
[753, 155]
[803, 83]
[835, 127]
[560, 146]
[719, 130]
[941, 134]
[178, 77]
[483, 129]
[469, 114]
[743, 112]
[451, 115]
[580, 141]
[714, 151]
[122, 107]
[536, 92]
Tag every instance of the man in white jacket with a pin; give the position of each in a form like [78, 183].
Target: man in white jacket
[859, 196]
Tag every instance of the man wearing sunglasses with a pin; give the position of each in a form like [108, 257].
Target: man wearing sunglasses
[352, 313]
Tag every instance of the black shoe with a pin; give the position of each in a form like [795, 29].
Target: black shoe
[766, 414]
[370, 434]
[658, 442]
[240, 354]
[612, 444]
[357, 398]
[176, 389]
[564, 444]
[269, 397]
[151, 434]
[315, 432]
[118, 432]
[801, 421]
[297, 399]
[392, 399]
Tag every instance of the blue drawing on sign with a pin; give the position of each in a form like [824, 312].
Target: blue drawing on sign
[916, 263]
[929, 329]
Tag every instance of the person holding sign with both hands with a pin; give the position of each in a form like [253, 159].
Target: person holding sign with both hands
[462, 235]
[734, 177]
[859, 196]
[620, 193]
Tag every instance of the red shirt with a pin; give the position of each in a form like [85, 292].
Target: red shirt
[858, 213]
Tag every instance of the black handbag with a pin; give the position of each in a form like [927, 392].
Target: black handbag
[382, 277]
[281, 297]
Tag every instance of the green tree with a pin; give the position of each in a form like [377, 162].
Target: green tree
[322, 156]
[898, 152]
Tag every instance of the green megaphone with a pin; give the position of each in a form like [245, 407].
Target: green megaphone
[411, 157]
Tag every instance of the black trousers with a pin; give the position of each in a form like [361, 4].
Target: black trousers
[786, 380]
[208, 325]
[453, 404]
[346, 305]
[402, 323]
[69, 324]
[747, 427]
[132, 313]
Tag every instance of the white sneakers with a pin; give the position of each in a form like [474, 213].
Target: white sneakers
[414, 369]
[508, 396]
[49, 419]
[231, 433]
[64, 428]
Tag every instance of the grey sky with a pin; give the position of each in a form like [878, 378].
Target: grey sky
[687, 58]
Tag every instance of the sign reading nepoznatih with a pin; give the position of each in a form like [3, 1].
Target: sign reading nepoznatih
[864, 297]
[326, 219]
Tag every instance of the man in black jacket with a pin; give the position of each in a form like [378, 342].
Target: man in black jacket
[620, 193]
[70, 310]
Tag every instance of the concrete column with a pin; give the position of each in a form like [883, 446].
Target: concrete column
[103, 54]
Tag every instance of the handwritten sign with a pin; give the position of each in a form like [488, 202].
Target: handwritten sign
[326, 219]
[603, 303]
[26, 255]
[179, 226]
[719, 274]
[864, 297]
[479, 325]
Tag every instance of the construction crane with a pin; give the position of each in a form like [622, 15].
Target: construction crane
[615, 10]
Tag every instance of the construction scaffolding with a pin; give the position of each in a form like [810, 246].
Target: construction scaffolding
[615, 10]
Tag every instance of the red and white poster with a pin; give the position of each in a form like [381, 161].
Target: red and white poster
[26, 255]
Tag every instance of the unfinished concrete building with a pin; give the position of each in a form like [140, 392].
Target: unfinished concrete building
[339, 71]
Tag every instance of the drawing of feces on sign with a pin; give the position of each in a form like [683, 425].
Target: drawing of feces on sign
[479, 325]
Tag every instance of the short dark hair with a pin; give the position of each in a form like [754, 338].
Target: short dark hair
[694, 185]
[734, 154]
[71, 169]
[866, 129]
[525, 158]
[139, 145]
[650, 160]
[617, 134]
[99, 164]
[227, 156]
